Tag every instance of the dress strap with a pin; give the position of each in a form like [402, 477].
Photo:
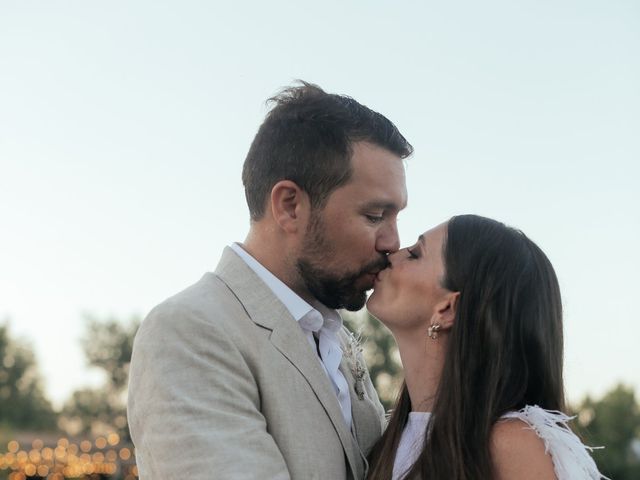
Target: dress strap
[571, 458]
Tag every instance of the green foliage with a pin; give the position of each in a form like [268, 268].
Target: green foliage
[23, 404]
[380, 353]
[613, 422]
[107, 346]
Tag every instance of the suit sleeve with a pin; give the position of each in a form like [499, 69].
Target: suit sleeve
[194, 404]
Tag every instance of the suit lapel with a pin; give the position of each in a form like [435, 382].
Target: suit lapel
[286, 335]
[292, 344]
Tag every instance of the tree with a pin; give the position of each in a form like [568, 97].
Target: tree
[613, 422]
[380, 353]
[23, 403]
[107, 346]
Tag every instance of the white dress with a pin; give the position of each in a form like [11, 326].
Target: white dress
[571, 459]
[411, 443]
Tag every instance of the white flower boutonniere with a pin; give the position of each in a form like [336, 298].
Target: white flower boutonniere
[353, 354]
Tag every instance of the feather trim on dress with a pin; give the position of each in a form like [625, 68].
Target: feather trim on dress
[571, 458]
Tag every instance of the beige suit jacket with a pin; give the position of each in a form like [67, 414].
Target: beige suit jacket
[224, 384]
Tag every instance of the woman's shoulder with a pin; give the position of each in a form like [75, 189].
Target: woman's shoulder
[534, 438]
[518, 452]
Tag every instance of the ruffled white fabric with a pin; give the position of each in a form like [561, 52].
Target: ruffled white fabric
[571, 458]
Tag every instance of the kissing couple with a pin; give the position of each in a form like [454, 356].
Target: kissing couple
[250, 373]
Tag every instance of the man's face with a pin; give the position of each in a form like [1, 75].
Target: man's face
[346, 242]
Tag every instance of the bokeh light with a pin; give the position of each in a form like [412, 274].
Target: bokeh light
[59, 460]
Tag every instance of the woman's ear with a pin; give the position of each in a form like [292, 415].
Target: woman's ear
[445, 311]
[289, 206]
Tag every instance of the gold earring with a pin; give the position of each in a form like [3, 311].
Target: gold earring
[433, 330]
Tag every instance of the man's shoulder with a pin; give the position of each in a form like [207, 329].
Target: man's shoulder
[209, 289]
[207, 303]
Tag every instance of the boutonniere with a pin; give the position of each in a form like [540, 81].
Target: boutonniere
[353, 354]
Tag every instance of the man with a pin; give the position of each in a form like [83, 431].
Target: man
[249, 373]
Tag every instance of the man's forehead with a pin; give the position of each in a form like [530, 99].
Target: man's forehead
[377, 181]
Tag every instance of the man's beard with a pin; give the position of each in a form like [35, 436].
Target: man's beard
[335, 290]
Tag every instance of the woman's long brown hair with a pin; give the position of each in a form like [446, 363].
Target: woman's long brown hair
[505, 351]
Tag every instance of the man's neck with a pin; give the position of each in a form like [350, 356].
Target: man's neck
[273, 254]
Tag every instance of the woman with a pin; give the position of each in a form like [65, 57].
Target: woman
[475, 309]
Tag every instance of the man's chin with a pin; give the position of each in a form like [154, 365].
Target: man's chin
[367, 284]
[358, 299]
[356, 303]
[348, 292]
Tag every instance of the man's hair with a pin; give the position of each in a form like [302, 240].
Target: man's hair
[307, 138]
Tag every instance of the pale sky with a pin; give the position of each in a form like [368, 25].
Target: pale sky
[124, 126]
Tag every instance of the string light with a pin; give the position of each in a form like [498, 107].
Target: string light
[65, 459]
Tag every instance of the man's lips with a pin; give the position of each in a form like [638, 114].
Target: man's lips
[370, 279]
[380, 275]
[373, 272]
[376, 275]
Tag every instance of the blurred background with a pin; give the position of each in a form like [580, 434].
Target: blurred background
[124, 125]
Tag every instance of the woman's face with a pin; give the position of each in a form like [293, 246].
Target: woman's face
[407, 293]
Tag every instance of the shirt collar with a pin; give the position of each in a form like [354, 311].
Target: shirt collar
[331, 317]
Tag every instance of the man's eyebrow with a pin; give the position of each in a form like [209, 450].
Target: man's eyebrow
[382, 205]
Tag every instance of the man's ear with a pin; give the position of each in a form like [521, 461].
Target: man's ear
[445, 311]
[289, 206]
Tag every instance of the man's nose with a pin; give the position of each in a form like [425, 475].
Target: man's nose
[388, 240]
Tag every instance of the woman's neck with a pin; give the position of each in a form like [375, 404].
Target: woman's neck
[422, 361]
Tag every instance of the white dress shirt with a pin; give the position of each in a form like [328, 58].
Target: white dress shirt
[317, 320]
